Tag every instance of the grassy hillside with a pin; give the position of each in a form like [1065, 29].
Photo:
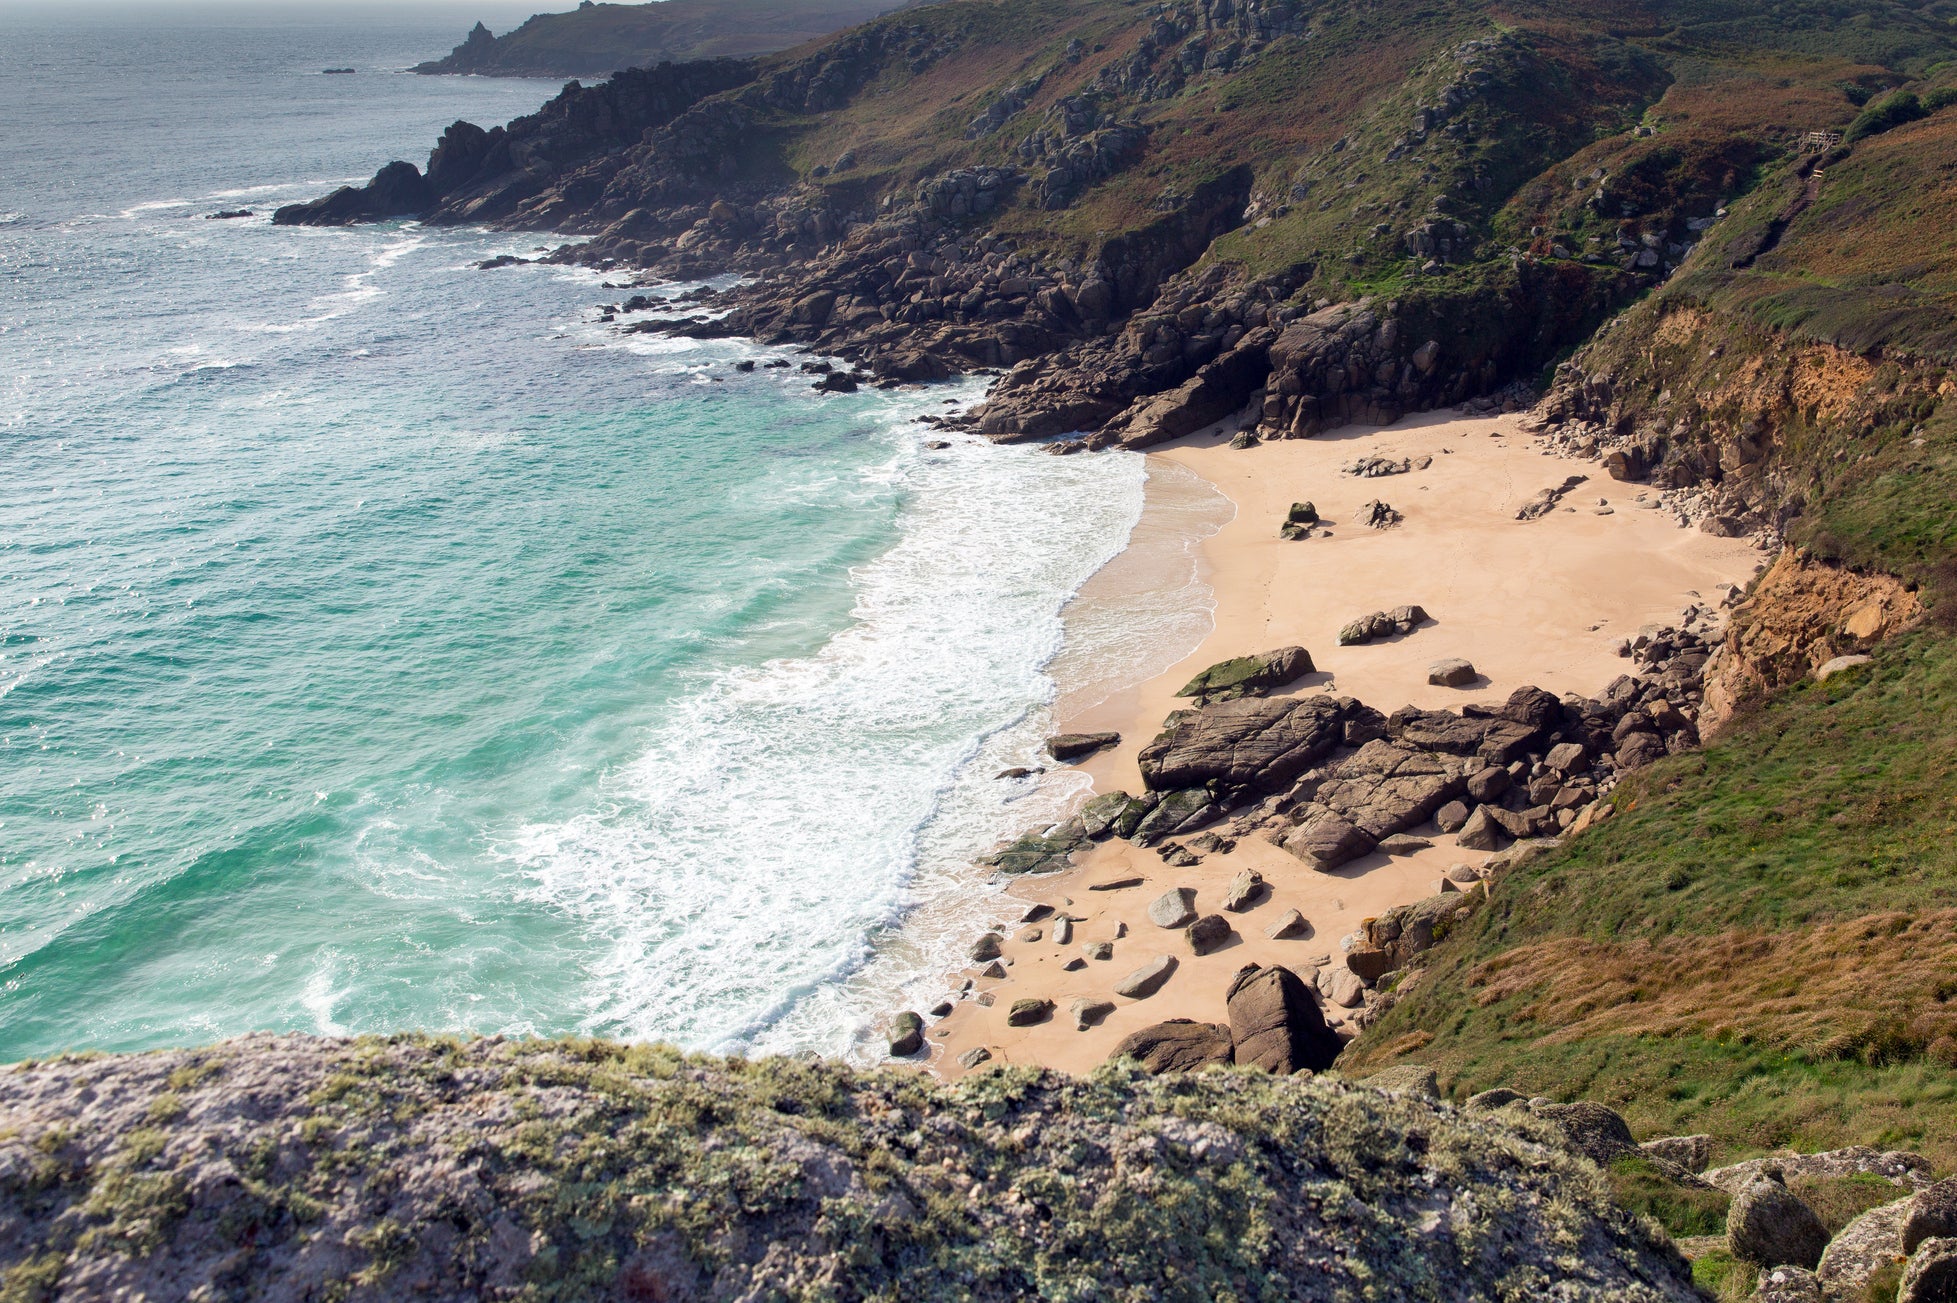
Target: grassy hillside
[1762, 943]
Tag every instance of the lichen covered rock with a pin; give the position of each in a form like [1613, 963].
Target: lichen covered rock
[441, 1169]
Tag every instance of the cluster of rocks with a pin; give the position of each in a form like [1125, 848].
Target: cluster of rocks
[1330, 780]
[1186, 41]
[1374, 467]
[1396, 623]
[1377, 515]
[1275, 1023]
[1905, 1248]
[1548, 499]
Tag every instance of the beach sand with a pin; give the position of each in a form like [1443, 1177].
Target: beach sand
[1540, 602]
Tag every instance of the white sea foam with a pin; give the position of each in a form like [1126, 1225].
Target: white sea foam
[778, 821]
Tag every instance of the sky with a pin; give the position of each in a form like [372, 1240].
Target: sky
[499, 14]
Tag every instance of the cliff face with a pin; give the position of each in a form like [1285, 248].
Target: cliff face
[593, 40]
[1136, 207]
[292, 1167]
[1708, 958]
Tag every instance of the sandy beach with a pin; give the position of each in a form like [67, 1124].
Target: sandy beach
[1541, 602]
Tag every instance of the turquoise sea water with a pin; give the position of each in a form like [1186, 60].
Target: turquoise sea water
[389, 644]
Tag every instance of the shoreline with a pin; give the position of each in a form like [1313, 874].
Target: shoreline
[1540, 602]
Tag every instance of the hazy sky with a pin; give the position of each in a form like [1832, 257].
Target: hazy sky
[499, 14]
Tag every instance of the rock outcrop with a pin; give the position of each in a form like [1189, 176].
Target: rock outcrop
[588, 41]
[471, 1169]
[1255, 743]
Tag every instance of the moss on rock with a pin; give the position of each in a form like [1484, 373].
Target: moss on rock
[576, 1168]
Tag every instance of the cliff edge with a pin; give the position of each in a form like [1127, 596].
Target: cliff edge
[294, 1167]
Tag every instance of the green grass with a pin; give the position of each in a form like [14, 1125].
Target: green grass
[1639, 1187]
[1723, 1276]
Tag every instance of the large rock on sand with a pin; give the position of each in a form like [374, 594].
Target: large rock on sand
[1148, 979]
[1260, 743]
[1327, 841]
[1072, 746]
[1025, 1013]
[1178, 1045]
[1248, 676]
[1210, 932]
[1276, 1023]
[1398, 622]
[1173, 908]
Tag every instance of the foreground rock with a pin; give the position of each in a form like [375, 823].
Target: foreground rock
[412, 1167]
[1768, 1224]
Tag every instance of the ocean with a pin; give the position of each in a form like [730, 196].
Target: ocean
[387, 644]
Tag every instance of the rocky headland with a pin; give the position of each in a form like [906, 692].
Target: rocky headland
[594, 39]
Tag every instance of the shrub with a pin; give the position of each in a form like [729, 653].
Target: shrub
[1885, 115]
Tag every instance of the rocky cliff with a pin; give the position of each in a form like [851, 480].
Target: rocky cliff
[290, 1167]
[1157, 218]
[593, 40]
